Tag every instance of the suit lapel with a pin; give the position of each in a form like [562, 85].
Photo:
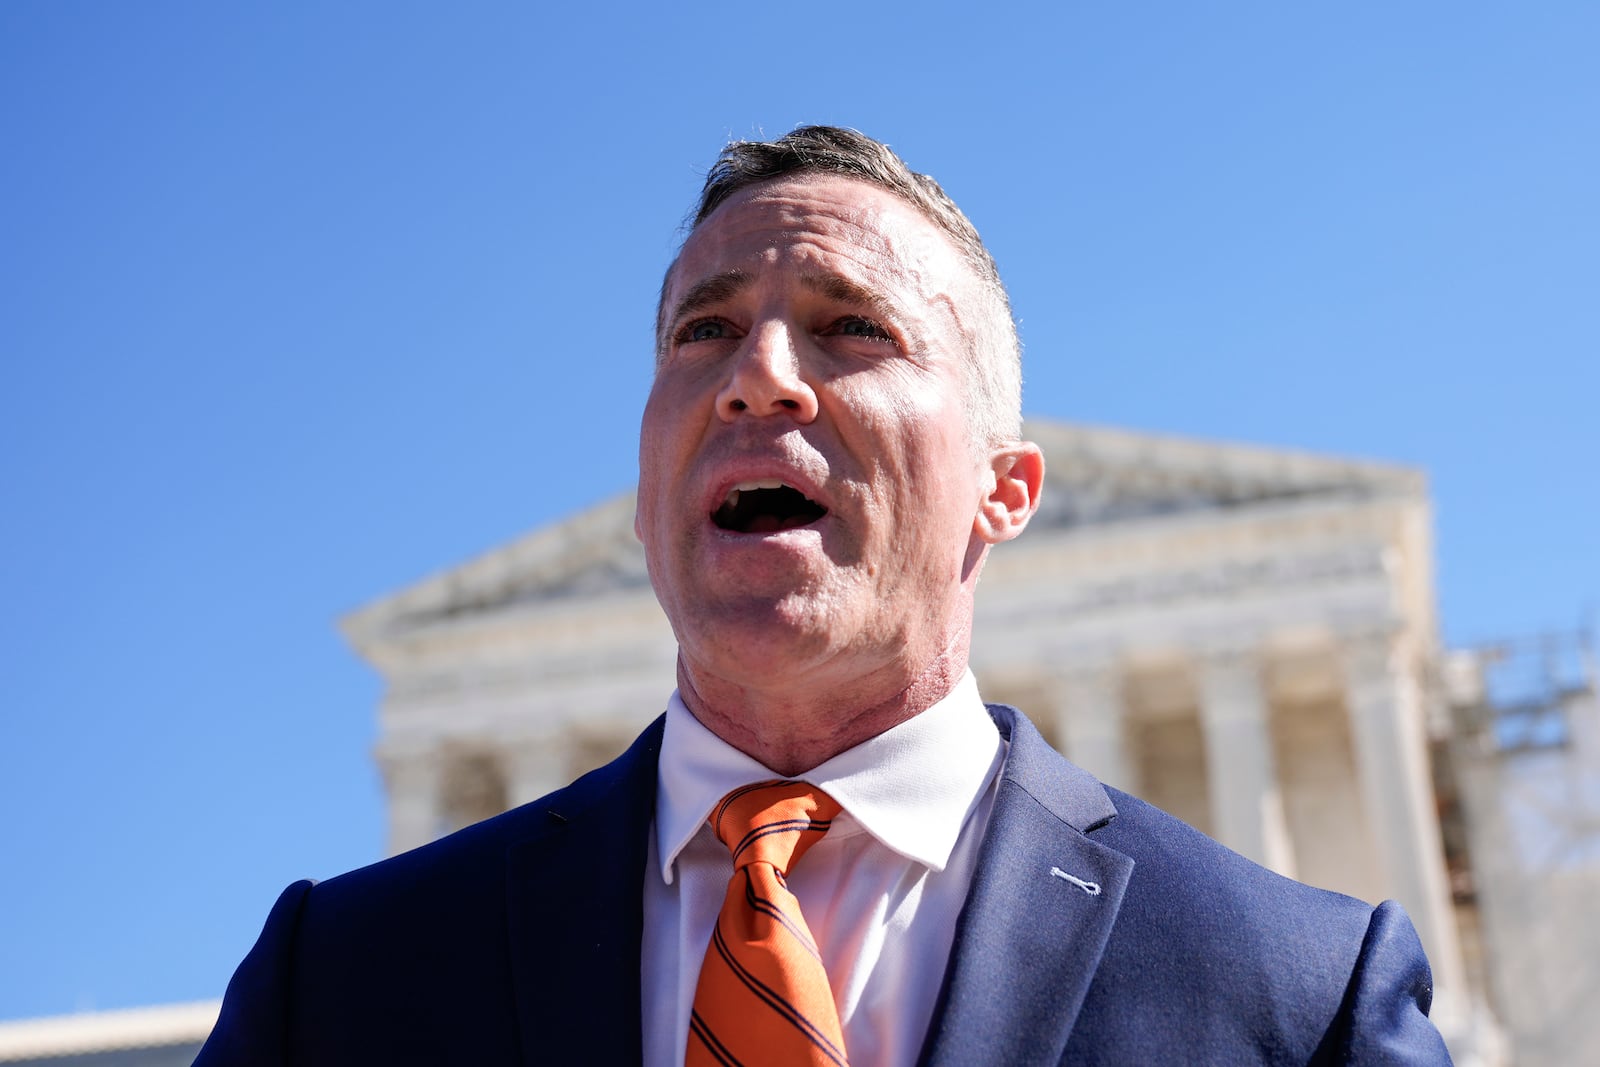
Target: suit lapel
[575, 914]
[1037, 918]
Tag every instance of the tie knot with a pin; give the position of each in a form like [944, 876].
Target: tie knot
[773, 822]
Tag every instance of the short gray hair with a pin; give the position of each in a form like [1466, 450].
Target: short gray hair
[994, 371]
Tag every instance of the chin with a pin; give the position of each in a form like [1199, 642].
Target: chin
[756, 637]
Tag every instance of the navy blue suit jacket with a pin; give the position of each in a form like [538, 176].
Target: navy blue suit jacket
[1098, 930]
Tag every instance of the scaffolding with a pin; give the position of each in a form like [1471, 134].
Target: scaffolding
[1524, 769]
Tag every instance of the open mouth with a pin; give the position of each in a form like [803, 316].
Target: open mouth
[765, 506]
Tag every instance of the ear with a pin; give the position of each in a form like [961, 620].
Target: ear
[1011, 492]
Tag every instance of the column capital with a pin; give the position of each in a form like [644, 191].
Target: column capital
[1228, 645]
[1086, 660]
[1376, 657]
[1375, 642]
[408, 765]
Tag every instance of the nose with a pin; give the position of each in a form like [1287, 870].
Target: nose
[765, 379]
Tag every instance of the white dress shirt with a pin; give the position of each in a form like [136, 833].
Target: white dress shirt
[880, 892]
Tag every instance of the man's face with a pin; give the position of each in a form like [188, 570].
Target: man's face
[807, 482]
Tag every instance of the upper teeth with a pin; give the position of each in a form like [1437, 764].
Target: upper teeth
[745, 487]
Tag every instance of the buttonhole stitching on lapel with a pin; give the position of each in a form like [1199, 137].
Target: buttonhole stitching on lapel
[1092, 888]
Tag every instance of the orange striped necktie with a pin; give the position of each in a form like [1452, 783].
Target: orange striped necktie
[763, 997]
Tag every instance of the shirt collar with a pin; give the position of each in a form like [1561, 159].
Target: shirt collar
[912, 787]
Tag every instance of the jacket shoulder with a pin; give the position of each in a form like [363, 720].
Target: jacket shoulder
[1214, 958]
[1249, 959]
[476, 855]
[406, 959]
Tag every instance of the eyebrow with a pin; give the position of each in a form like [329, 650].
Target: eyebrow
[713, 290]
[725, 286]
[844, 291]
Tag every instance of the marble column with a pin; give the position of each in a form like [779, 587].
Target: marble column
[1387, 723]
[1089, 719]
[1241, 775]
[414, 780]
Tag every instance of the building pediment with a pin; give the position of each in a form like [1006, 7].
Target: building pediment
[1094, 477]
[1097, 476]
[591, 554]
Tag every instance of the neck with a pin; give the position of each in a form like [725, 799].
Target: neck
[791, 730]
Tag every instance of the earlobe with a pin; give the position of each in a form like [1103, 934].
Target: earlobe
[1014, 480]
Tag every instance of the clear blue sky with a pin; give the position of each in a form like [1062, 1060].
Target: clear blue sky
[301, 303]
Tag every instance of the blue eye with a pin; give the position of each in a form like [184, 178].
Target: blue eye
[855, 326]
[704, 330]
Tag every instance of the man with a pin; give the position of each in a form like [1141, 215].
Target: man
[830, 449]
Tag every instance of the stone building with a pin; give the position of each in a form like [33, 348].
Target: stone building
[1244, 636]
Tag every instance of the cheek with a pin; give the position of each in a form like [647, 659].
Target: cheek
[681, 402]
[654, 488]
[659, 431]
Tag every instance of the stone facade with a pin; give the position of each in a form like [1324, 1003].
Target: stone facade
[1243, 636]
